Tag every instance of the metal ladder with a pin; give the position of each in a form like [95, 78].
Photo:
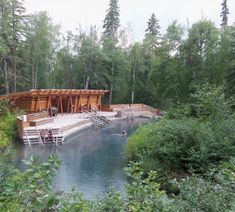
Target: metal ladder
[27, 137]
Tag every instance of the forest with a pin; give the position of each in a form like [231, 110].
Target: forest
[160, 70]
[185, 162]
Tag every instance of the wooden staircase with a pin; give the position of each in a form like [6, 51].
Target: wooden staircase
[42, 136]
[99, 120]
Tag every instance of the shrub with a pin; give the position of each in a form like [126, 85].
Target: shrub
[213, 192]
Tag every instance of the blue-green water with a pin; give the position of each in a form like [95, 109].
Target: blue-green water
[92, 161]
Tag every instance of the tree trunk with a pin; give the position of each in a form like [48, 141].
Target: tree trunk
[15, 75]
[33, 76]
[36, 78]
[133, 87]
[87, 82]
[111, 84]
[85, 74]
[5, 71]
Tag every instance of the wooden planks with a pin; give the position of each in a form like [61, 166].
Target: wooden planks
[66, 100]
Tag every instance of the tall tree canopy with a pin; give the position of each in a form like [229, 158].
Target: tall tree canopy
[159, 70]
[12, 37]
[224, 13]
[153, 28]
[112, 21]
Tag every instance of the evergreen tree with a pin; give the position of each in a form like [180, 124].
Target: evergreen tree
[111, 21]
[224, 13]
[153, 28]
[111, 24]
[152, 36]
[230, 69]
[12, 36]
[17, 36]
[4, 54]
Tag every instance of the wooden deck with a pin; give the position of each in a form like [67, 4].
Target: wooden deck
[65, 125]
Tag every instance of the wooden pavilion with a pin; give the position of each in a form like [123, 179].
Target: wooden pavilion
[65, 100]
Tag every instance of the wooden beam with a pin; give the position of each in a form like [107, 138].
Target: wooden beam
[61, 104]
[76, 104]
[49, 101]
[38, 104]
[79, 103]
[99, 102]
[88, 102]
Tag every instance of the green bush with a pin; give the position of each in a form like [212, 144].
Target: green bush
[185, 144]
[7, 129]
[190, 138]
[28, 190]
[7, 124]
[213, 192]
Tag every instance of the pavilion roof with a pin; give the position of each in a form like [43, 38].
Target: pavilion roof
[53, 92]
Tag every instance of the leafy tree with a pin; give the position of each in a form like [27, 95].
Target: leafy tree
[90, 57]
[200, 49]
[137, 64]
[116, 66]
[224, 13]
[41, 44]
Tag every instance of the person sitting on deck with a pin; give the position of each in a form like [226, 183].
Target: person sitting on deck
[42, 133]
[50, 134]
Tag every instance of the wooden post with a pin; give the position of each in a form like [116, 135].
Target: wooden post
[38, 105]
[76, 104]
[68, 103]
[79, 103]
[58, 103]
[49, 101]
[88, 102]
[61, 105]
[99, 102]
[71, 103]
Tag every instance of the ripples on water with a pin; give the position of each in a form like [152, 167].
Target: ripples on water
[92, 161]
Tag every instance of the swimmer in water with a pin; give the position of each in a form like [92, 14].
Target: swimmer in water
[124, 133]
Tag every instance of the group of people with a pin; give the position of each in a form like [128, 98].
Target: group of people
[46, 134]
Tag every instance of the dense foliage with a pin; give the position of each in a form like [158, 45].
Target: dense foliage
[193, 151]
[159, 70]
[30, 190]
[7, 125]
[182, 163]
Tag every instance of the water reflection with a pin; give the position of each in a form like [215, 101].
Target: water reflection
[92, 161]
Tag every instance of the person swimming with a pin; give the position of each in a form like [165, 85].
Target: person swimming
[124, 133]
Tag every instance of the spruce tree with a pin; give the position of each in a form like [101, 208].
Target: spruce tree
[17, 19]
[12, 35]
[111, 24]
[224, 13]
[153, 28]
[5, 31]
[111, 21]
